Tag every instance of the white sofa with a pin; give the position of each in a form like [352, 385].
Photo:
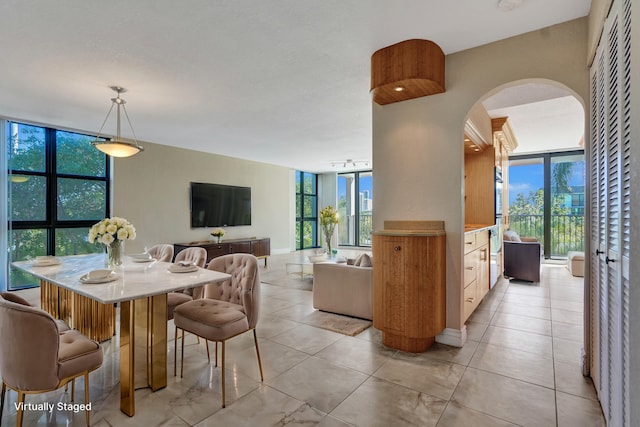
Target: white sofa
[343, 289]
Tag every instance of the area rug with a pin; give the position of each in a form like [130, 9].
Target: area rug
[337, 323]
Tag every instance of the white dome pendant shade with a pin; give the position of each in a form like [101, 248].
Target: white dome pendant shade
[117, 147]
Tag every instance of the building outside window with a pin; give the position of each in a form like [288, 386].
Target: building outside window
[58, 186]
[306, 210]
[355, 208]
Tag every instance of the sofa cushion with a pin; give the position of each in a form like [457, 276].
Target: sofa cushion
[364, 260]
[511, 236]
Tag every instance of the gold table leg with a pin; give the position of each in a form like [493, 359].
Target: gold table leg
[127, 353]
[143, 348]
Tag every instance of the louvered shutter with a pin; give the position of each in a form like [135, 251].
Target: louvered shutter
[610, 154]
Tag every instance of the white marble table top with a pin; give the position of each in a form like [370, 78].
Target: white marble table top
[135, 280]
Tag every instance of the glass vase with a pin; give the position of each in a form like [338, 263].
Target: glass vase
[115, 253]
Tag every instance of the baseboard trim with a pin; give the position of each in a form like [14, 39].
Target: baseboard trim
[453, 337]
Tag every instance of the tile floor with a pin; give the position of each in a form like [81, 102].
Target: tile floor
[520, 367]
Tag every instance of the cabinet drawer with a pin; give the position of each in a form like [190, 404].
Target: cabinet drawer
[482, 238]
[471, 300]
[469, 242]
[470, 268]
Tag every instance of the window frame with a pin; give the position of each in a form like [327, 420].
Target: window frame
[51, 223]
[301, 219]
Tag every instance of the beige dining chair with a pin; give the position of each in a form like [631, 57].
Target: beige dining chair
[36, 357]
[197, 256]
[161, 252]
[227, 308]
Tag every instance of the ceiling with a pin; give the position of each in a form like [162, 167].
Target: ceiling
[283, 82]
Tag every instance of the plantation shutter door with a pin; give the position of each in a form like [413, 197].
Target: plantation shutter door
[611, 214]
[597, 204]
[625, 241]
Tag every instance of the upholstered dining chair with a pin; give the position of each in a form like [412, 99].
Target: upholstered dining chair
[162, 252]
[36, 357]
[226, 310]
[197, 256]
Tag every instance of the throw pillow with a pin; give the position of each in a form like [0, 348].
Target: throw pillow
[358, 260]
[367, 261]
[511, 236]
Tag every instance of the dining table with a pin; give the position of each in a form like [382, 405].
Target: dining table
[139, 288]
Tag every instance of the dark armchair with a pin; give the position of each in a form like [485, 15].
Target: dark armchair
[522, 256]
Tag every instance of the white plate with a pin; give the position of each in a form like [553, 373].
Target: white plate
[46, 263]
[142, 259]
[177, 269]
[85, 279]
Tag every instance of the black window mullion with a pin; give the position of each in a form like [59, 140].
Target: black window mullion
[52, 194]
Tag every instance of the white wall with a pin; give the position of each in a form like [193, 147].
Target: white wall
[418, 144]
[151, 190]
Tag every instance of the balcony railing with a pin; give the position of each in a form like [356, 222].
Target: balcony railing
[567, 231]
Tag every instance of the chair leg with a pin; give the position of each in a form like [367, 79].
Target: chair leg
[73, 389]
[255, 340]
[20, 408]
[175, 352]
[182, 356]
[223, 404]
[206, 344]
[4, 391]
[216, 365]
[86, 397]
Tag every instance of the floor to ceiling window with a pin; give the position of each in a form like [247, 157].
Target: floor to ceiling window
[546, 200]
[306, 210]
[58, 186]
[355, 198]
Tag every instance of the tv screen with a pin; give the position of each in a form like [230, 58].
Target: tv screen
[215, 205]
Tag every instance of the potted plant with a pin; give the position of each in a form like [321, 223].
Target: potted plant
[328, 221]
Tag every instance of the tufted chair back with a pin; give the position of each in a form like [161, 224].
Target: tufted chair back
[244, 286]
[29, 350]
[198, 256]
[162, 252]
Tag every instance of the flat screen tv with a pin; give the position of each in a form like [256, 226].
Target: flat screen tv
[215, 205]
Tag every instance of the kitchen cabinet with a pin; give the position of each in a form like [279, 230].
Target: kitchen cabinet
[476, 269]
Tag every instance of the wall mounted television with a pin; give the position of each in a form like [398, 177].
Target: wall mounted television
[216, 205]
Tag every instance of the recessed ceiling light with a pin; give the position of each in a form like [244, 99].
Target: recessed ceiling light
[398, 88]
[509, 5]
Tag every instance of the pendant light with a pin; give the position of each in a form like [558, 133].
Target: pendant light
[117, 147]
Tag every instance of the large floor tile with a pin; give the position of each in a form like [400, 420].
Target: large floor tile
[574, 411]
[525, 310]
[456, 415]
[434, 377]
[318, 382]
[307, 338]
[569, 379]
[361, 355]
[518, 364]
[378, 403]
[568, 331]
[265, 407]
[476, 330]
[276, 359]
[447, 353]
[522, 323]
[526, 300]
[505, 398]
[566, 316]
[519, 340]
[567, 351]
